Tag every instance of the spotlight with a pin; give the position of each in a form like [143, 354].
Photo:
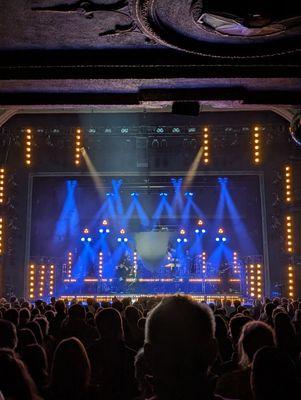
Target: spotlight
[125, 239]
[105, 222]
[222, 180]
[295, 128]
[185, 240]
[188, 194]
[197, 231]
[86, 230]
[217, 239]
[107, 230]
[224, 239]
[108, 194]
[122, 231]
[203, 230]
[119, 239]
[134, 194]
[89, 239]
[221, 230]
[182, 232]
[163, 194]
[179, 240]
[82, 239]
[200, 222]
[101, 230]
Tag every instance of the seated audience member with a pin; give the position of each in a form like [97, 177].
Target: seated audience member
[36, 330]
[71, 372]
[112, 362]
[60, 316]
[15, 381]
[179, 348]
[236, 324]
[286, 339]
[75, 325]
[25, 338]
[132, 334]
[24, 317]
[12, 315]
[34, 357]
[8, 335]
[225, 348]
[236, 384]
[267, 315]
[274, 376]
[297, 321]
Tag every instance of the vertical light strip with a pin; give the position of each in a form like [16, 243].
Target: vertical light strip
[289, 234]
[206, 146]
[1, 235]
[204, 263]
[78, 145]
[51, 280]
[291, 281]
[42, 281]
[256, 145]
[135, 264]
[69, 271]
[28, 147]
[235, 263]
[100, 265]
[31, 281]
[254, 280]
[288, 184]
[259, 281]
[2, 177]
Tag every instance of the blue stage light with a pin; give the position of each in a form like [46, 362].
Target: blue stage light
[134, 194]
[224, 239]
[82, 239]
[179, 240]
[125, 239]
[89, 239]
[185, 240]
[101, 230]
[163, 194]
[203, 230]
[189, 194]
[197, 231]
[217, 239]
[108, 194]
[119, 239]
[107, 230]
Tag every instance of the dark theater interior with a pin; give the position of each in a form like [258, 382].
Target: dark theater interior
[150, 200]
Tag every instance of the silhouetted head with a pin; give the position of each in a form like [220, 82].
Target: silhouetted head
[36, 330]
[60, 306]
[274, 376]
[71, 369]
[109, 324]
[180, 345]
[236, 324]
[8, 334]
[12, 315]
[132, 314]
[34, 357]
[24, 316]
[254, 336]
[77, 313]
[15, 381]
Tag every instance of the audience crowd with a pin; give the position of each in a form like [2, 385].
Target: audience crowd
[170, 348]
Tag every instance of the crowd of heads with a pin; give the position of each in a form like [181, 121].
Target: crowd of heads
[170, 348]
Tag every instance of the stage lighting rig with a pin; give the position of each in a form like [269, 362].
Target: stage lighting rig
[188, 194]
[221, 237]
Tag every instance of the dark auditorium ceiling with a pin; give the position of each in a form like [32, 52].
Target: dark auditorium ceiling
[116, 54]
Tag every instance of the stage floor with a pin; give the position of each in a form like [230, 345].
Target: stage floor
[203, 297]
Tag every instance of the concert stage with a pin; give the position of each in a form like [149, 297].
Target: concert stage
[148, 235]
